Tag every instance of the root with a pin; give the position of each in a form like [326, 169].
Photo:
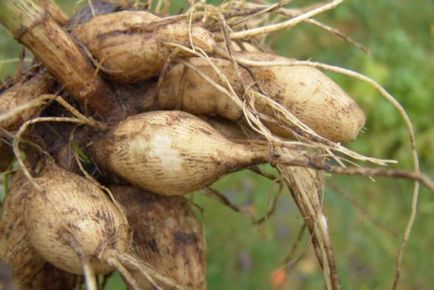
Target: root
[291, 258]
[363, 211]
[147, 270]
[80, 119]
[113, 261]
[260, 10]
[256, 124]
[88, 272]
[42, 100]
[286, 24]
[262, 173]
[92, 10]
[362, 171]
[14, 60]
[272, 209]
[89, 276]
[94, 181]
[215, 194]
[305, 190]
[86, 120]
[294, 12]
[17, 140]
[309, 150]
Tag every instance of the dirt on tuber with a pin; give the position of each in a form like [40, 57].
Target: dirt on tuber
[167, 235]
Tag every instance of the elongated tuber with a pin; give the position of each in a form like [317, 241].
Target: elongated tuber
[129, 45]
[304, 91]
[172, 152]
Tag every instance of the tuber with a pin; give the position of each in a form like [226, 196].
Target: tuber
[304, 91]
[129, 44]
[30, 270]
[73, 225]
[73, 212]
[166, 235]
[172, 152]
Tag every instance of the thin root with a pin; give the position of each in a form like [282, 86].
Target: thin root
[146, 270]
[113, 261]
[286, 24]
[89, 276]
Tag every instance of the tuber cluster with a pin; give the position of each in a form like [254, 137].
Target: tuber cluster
[126, 111]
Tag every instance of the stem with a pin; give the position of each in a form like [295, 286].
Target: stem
[306, 190]
[35, 29]
[286, 24]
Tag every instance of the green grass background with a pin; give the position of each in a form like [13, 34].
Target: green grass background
[366, 218]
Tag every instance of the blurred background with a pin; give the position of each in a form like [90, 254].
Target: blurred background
[366, 218]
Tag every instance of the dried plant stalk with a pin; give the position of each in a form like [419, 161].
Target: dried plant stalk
[54, 11]
[33, 27]
[286, 24]
[296, 12]
[306, 187]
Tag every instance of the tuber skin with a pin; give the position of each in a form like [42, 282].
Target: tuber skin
[304, 91]
[30, 270]
[172, 152]
[55, 12]
[97, 7]
[21, 93]
[183, 89]
[33, 26]
[15, 248]
[166, 235]
[229, 129]
[24, 91]
[129, 44]
[71, 219]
